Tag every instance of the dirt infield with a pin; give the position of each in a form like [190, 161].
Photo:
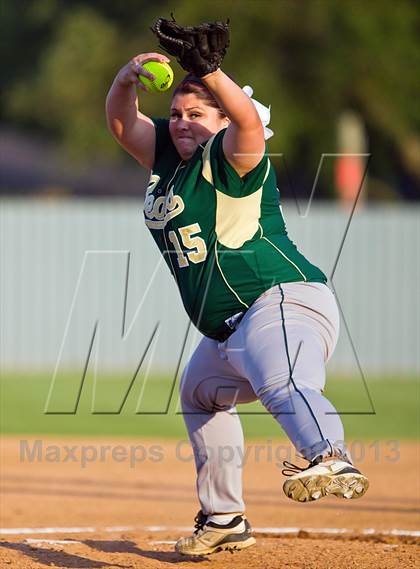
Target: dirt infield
[122, 503]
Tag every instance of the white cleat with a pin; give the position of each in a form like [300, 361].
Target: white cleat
[333, 477]
[211, 537]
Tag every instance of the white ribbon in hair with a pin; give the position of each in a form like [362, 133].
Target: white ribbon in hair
[264, 112]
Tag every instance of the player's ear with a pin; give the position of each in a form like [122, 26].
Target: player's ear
[225, 122]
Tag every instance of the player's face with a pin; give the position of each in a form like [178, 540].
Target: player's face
[192, 122]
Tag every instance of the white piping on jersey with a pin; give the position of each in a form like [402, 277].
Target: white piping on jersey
[286, 257]
[163, 227]
[206, 169]
[223, 276]
[267, 171]
[175, 173]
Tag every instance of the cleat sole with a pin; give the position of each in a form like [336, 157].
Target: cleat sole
[231, 546]
[313, 487]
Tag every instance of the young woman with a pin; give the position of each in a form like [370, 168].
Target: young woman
[268, 318]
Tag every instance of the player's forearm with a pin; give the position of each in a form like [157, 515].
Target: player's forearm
[237, 106]
[121, 109]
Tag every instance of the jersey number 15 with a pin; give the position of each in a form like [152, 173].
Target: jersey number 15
[194, 249]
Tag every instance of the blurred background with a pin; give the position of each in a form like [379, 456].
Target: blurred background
[78, 267]
[340, 76]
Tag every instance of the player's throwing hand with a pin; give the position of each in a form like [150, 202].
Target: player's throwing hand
[128, 75]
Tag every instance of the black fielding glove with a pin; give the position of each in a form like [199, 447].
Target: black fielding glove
[199, 50]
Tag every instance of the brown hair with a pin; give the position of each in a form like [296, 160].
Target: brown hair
[191, 84]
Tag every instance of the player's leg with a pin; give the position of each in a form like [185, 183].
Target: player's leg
[285, 339]
[210, 389]
[281, 346]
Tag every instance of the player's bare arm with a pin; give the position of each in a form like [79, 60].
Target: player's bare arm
[243, 143]
[130, 127]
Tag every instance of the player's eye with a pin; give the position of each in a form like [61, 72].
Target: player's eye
[194, 115]
[174, 115]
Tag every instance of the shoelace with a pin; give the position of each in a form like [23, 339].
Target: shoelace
[200, 521]
[295, 469]
[291, 468]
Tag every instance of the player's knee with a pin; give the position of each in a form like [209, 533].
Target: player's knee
[193, 394]
[277, 387]
[275, 397]
[279, 395]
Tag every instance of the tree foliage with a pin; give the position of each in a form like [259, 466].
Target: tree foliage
[309, 59]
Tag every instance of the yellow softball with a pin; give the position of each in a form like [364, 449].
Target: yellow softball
[163, 76]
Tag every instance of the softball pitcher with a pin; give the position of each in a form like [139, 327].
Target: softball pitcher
[269, 320]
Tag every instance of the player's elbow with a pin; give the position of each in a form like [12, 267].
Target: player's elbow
[116, 128]
[120, 130]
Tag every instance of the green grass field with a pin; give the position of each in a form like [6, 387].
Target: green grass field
[23, 399]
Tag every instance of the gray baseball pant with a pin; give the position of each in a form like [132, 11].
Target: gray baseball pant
[277, 355]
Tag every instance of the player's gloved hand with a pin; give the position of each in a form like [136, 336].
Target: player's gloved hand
[200, 49]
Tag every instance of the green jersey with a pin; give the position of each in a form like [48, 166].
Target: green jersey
[222, 236]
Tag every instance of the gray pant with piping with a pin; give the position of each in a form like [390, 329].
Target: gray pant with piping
[277, 355]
